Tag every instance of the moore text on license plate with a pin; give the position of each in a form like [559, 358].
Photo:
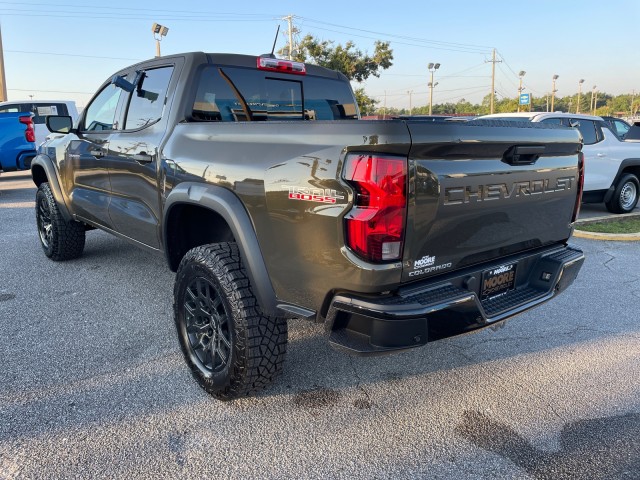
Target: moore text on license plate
[498, 280]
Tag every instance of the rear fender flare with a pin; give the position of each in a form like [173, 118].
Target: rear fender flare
[226, 204]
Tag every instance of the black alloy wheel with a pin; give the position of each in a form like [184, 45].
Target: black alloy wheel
[60, 239]
[208, 325]
[43, 218]
[231, 347]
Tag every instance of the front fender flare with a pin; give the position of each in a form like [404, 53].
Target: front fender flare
[226, 204]
[43, 170]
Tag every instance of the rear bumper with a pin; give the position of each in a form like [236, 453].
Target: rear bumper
[448, 305]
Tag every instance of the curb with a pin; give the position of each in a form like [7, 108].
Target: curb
[616, 237]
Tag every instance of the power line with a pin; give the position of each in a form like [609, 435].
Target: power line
[72, 55]
[47, 91]
[469, 48]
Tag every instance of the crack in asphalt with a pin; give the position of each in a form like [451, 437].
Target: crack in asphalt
[606, 264]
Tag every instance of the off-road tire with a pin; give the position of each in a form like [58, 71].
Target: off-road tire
[60, 239]
[216, 316]
[625, 196]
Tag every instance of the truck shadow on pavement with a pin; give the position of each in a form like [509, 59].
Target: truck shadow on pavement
[600, 448]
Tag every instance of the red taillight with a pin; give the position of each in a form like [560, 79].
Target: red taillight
[283, 66]
[29, 133]
[375, 225]
[576, 208]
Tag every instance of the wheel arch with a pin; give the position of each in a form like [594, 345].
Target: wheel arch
[220, 216]
[43, 170]
[629, 165]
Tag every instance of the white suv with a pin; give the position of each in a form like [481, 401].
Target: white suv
[612, 165]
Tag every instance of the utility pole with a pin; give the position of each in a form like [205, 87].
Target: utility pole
[553, 91]
[633, 94]
[3, 81]
[520, 88]
[410, 92]
[592, 103]
[579, 93]
[289, 19]
[493, 78]
[432, 67]
[384, 107]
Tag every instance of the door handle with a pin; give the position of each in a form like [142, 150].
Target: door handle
[97, 152]
[143, 157]
[601, 154]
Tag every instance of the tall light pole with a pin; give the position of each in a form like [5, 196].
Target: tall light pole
[159, 31]
[553, 91]
[432, 68]
[520, 88]
[593, 96]
[580, 82]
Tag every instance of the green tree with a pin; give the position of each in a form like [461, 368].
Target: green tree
[366, 103]
[349, 60]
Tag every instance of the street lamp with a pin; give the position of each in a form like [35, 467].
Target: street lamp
[520, 88]
[432, 68]
[594, 100]
[579, 93]
[159, 31]
[553, 91]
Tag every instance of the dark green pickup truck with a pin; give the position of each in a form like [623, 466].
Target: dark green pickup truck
[271, 199]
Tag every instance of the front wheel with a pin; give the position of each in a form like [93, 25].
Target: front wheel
[232, 348]
[60, 239]
[625, 196]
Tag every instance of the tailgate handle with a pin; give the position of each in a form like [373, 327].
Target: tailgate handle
[523, 154]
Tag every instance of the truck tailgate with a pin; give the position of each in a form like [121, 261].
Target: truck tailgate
[478, 192]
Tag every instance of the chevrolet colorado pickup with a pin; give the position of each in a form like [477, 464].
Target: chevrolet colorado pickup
[271, 199]
[17, 137]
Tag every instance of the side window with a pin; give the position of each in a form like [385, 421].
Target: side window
[147, 101]
[101, 112]
[42, 110]
[9, 108]
[621, 128]
[587, 129]
[555, 121]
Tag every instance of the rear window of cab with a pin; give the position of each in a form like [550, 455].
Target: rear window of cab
[235, 94]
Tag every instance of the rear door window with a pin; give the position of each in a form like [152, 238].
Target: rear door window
[556, 121]
[587, 129]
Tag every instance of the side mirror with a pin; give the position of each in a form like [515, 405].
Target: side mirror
[59, 123]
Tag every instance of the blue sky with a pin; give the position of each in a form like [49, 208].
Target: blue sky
[64, 49]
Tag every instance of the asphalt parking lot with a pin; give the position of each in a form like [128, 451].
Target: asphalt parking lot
[93, 384]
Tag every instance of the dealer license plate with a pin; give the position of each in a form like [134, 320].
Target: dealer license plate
[498, 280]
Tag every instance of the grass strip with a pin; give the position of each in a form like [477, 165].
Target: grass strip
[618, 225]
